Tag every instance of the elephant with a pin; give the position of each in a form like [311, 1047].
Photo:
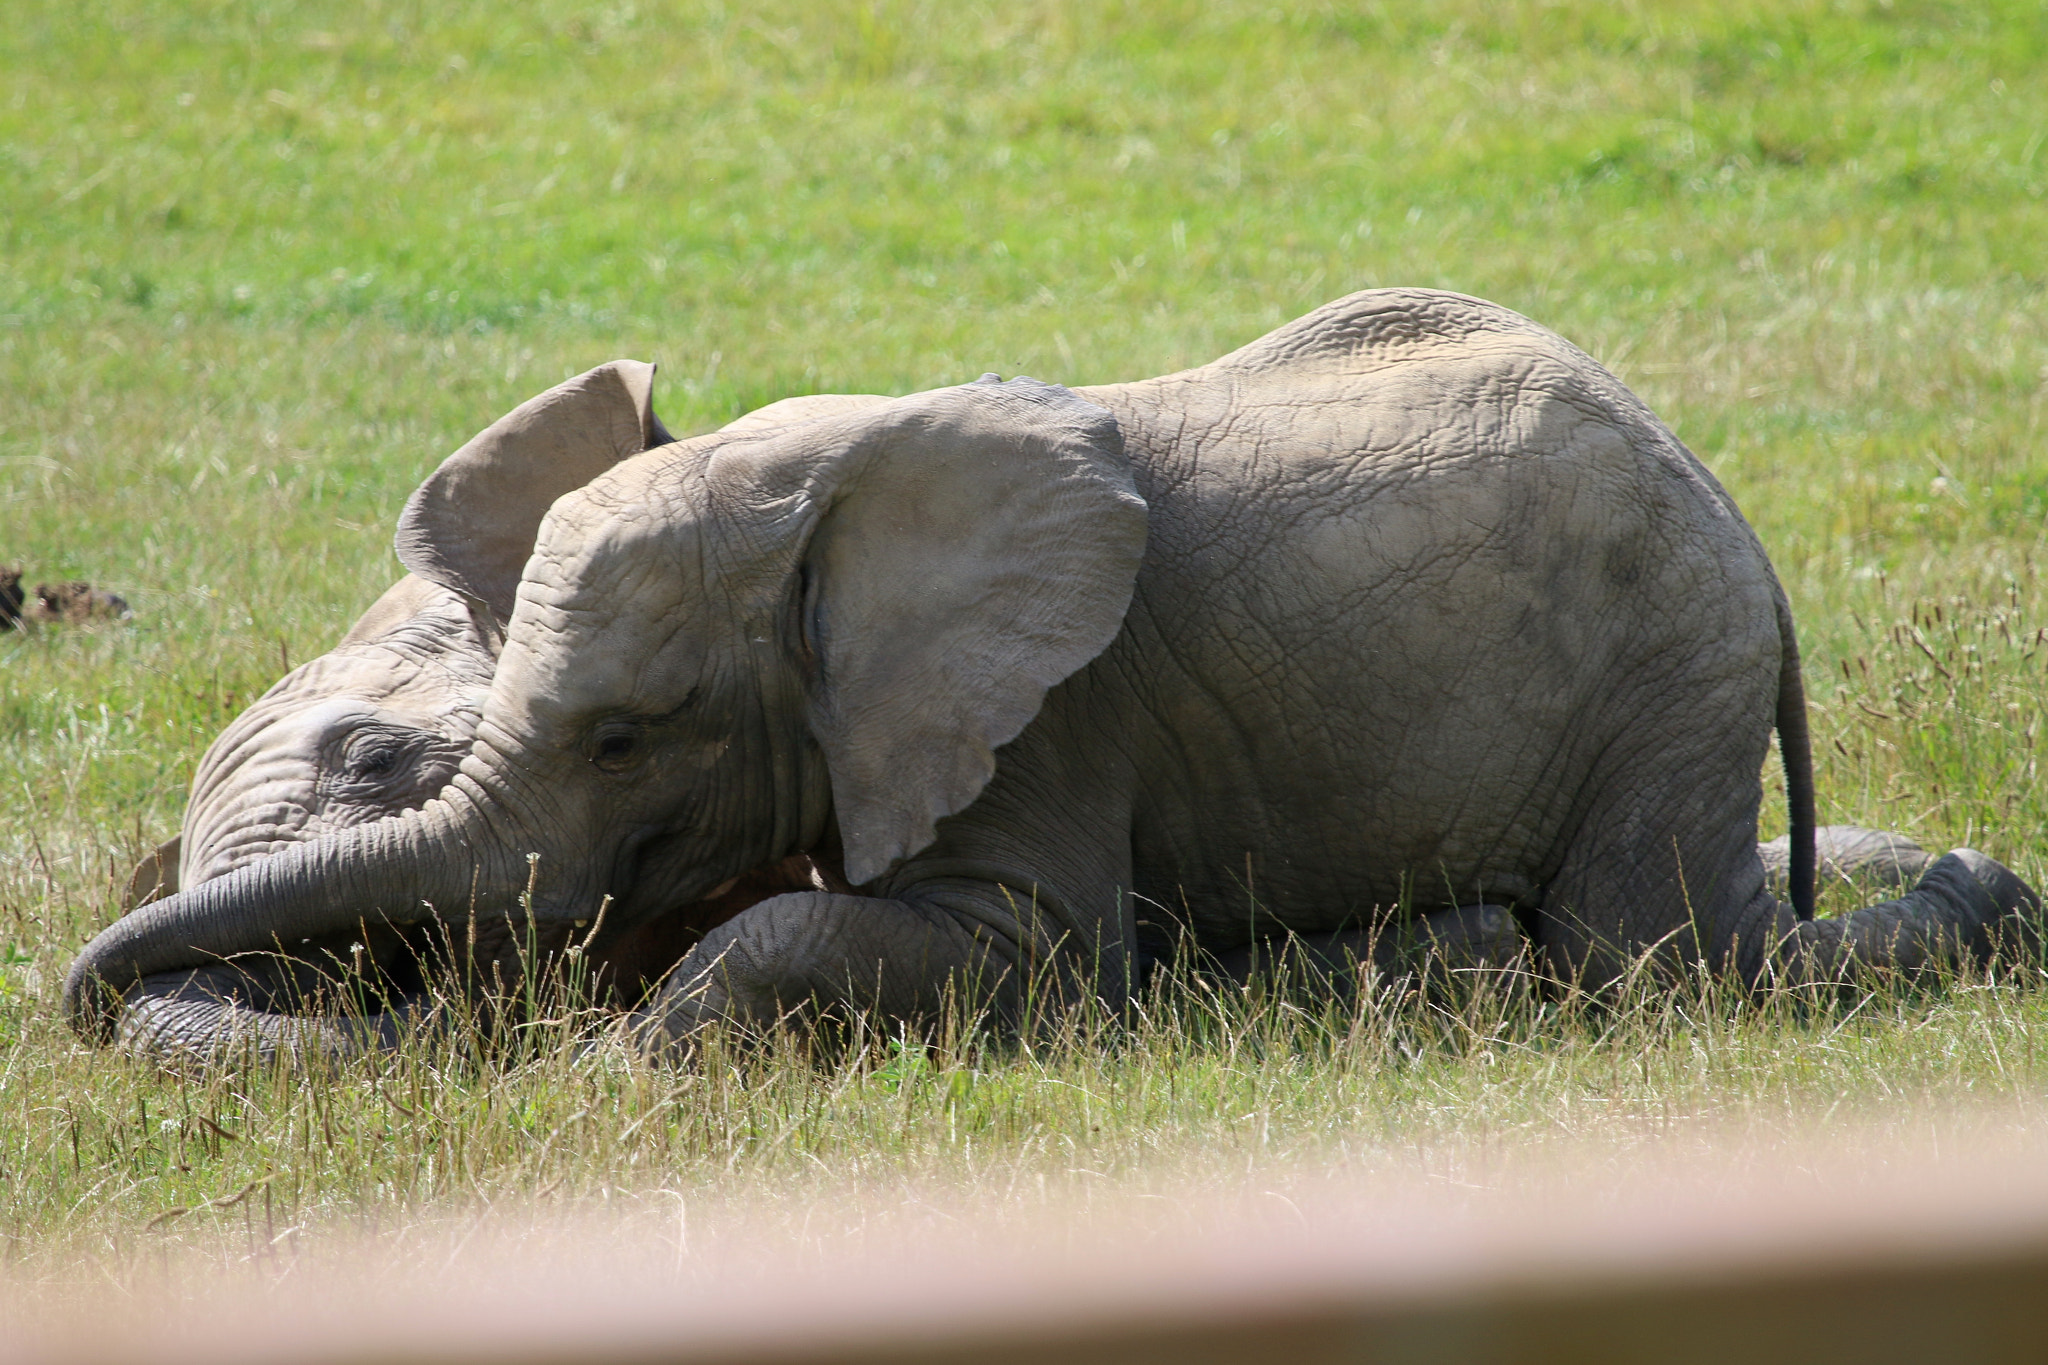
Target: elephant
[1406, 615]
[378, 724]
[1850, 855]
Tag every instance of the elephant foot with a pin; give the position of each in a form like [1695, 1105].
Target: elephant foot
[1968, 909]
[2006, 909]
[632, 964]
[1849, 853]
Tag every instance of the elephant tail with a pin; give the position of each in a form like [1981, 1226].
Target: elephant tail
[1795, 750]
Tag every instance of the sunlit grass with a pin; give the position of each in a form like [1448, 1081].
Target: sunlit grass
[261, 1160]
[262, 265]
[136, 1169]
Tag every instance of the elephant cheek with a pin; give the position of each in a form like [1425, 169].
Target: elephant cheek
[264, 802]
[248, 836]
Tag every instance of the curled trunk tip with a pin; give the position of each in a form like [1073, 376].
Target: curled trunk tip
[386, 871]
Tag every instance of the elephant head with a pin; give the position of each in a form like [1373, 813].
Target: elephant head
[806, 633]
[374, 726]
[377, 725]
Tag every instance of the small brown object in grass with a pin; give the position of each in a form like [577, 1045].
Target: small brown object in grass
[75, 603]
[10, 598]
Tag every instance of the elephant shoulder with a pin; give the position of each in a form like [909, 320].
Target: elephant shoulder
[1377, 347]
[1388, 381]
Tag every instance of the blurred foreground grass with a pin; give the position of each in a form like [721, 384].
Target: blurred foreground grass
[263, 264]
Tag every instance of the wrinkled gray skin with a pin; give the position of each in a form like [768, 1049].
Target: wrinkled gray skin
[1408, 609]
[375, 726]
[291, 767]
[378, 724]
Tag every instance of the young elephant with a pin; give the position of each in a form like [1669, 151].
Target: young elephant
[378, 724]
[1408, 609]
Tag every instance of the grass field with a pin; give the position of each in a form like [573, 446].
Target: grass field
[263, 264]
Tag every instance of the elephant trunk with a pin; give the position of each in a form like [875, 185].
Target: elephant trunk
[198, 1016]
[393, 871]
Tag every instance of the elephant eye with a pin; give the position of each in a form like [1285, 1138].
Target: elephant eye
[374, 759]
[613, 748]
[376, 756]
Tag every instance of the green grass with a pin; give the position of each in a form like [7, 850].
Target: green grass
[263, 264]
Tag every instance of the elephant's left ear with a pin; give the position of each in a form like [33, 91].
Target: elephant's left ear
[972, 547]
[155, 877]
[471, 526]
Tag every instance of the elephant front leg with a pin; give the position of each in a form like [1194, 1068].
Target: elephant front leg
[894, 957]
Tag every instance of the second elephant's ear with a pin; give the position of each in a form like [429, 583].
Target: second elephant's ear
[470, 527]
[155, 877]
[969, 549]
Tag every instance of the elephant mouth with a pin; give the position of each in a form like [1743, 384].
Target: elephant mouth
[370, 988]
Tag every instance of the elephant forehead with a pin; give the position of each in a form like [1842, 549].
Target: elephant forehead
[345, 688]
[268, 758]
[585, 528]
[397, 673]
[598, 560]
[299, 734]
[604, 584]
[566, 666]
[629, 593]
[620, 511]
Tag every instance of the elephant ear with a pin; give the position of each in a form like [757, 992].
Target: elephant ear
[155, 877]
[971, 548]
[471, 526]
